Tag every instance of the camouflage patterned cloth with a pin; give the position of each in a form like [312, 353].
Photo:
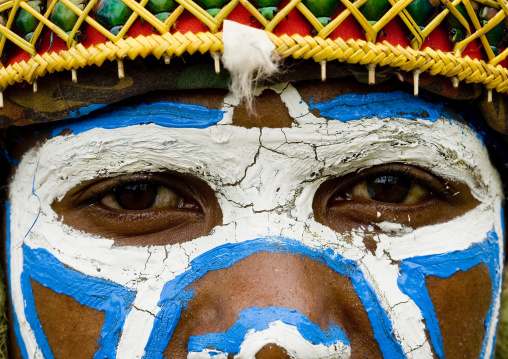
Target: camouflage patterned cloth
[59, 98]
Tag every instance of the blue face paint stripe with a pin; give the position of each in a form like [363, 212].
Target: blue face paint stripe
[380, 104]
[83, 111]
[259, 319]
[502, 222]
[17, 332]
[184, 297]
[163, 113]
[415, 270]
[111, 298]
[163, 327]
[226, 255]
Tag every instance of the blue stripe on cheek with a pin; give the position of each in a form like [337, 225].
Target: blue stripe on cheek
[111, 298]
[259, 319]
[163, 113]
[415, 270]
[381, 104]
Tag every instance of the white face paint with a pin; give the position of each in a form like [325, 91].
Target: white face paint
[265, 182]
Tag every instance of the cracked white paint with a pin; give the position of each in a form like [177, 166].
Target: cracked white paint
[265, 182]
[391, 227]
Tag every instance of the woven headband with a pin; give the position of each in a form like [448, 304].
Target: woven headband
[463, 40]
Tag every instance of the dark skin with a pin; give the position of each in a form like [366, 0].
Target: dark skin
[269, 279]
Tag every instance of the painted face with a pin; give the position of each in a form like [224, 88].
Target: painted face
[369, 226]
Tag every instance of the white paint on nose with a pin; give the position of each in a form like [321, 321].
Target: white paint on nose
[285, 336]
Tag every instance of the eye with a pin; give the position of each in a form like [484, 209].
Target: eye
[397, 193]
[390, 189]
[142, 208]
[144, 196]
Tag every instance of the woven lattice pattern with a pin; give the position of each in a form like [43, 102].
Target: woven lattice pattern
[479, 24]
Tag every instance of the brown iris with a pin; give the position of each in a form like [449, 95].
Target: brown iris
[136, 197]
[389, 189]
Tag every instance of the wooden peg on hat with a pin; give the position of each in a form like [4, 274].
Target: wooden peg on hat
[167, 59]
[1, 99]
[323, 70]
[34, 84]
[489, 95]
[121, 73]
[416, 79]
[455, 81]
[372, 73]
[216, 61]
[74, 75]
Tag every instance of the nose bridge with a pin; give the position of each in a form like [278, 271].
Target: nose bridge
[263, 279]
[314, 305]
[276, 174]
[277, 202]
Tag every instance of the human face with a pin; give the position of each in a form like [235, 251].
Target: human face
[353, 226]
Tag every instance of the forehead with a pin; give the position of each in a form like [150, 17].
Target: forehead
[310, 130]
[270, 108]
[255, 170]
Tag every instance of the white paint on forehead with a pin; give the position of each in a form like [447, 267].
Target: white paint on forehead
[265, 182]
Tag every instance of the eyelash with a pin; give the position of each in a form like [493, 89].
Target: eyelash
[117, 183]
[345, 203]
[98, 196]
[435, 186]
[84, 208]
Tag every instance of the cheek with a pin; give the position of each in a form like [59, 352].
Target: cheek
[458, 292]
[461, 303]
[64, 320]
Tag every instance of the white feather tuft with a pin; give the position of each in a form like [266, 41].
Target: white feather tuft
[249, 55]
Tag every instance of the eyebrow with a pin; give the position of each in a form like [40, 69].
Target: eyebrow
[152, 148]
[162, 113]
[380, 104]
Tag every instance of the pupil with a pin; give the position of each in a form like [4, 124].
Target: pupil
[136, 197]
[389, 189]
